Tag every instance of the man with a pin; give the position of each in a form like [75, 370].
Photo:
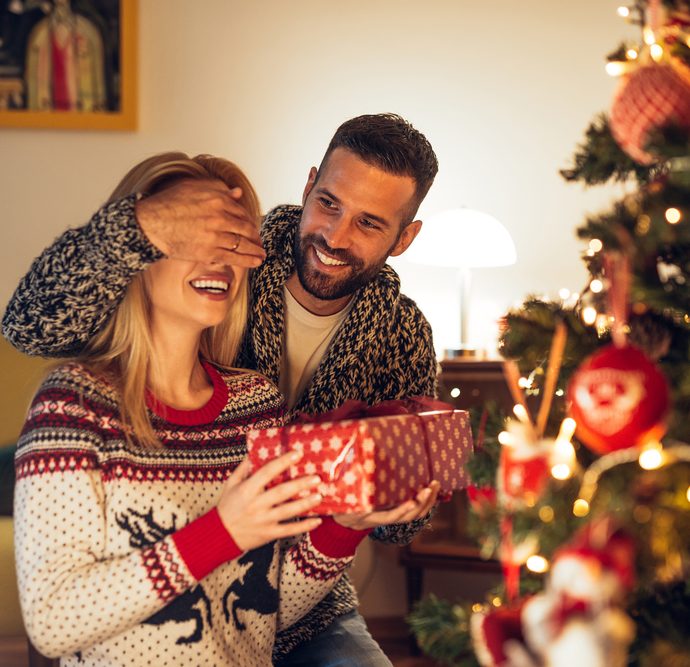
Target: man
[327, 322]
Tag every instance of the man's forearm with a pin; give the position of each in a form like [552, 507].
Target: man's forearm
[76, 283]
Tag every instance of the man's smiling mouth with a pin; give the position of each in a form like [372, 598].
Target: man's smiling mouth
[328, 261]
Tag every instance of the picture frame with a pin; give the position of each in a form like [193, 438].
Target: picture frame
[111, 96]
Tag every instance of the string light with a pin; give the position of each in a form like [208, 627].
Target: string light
[476, 607]
[595, 245]
[651, 457]
[616, 68]
[580, 507]
[589, 315]
[559, 392]
[648, 36]
[561, 471]
[537, 564]
[631, 54]
[524, 382]
[596, 286]
[496, 602]
[656, 51]
[455, 392]
[507, 439]
[623, 11]
[546, 512]
[564, 293]
[673, 216]
[687, 494]
[521, 413]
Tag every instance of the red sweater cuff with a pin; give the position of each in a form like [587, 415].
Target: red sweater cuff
[204, 544]
[336, 541]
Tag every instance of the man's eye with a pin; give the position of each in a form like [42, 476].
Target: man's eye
[326, 203]
[365, 222]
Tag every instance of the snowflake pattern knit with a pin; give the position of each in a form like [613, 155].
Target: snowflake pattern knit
[121, 555]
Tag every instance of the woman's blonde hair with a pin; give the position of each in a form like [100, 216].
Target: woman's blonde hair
[123, 349]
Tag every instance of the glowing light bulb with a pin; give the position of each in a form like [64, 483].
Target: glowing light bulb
[651, 456]
[687, 494]
[476, 607]
[455, 392]
[623, 11]
[589, 315]
[525, 383]
[496, 602]
[596, 286]
[537, 564]
[564, 293]
[567, 429]
[631, 54]
[520, 412]
[580, 507]
[561, 471]
[673, 216]
[648, 36]
[656, 51]
[615, 68]
[507, 439]
[596, 245]
[546, 514]
[559, 392]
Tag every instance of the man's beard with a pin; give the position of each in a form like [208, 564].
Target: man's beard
[326, 287]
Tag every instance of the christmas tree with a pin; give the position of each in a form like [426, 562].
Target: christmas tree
[583, 493]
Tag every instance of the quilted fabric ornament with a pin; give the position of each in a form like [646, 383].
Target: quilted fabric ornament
[619, 399]
[649, 98]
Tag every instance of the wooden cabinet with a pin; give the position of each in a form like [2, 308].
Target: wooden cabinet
[465, 383]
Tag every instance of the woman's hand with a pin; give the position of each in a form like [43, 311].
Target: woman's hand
[254, 515]
[408, 511]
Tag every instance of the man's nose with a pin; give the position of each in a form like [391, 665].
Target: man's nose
[338, 233]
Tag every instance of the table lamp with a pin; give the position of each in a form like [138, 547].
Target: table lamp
[464, 239]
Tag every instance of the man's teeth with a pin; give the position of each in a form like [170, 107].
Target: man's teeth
[213, 286]
[328, 260]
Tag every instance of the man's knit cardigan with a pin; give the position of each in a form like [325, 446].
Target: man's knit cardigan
[383, 350]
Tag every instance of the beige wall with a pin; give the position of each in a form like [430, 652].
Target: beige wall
[503, 89]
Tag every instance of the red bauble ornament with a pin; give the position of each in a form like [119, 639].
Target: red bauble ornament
[649, 98]
[522, 475]
[619, 399]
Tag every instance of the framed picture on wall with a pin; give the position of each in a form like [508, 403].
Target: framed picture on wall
[68, 64]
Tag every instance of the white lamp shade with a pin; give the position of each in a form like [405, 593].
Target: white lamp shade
[462, 238]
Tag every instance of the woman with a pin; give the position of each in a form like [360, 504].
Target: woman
[140, 537]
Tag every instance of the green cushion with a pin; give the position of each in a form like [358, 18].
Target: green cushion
[10, 616]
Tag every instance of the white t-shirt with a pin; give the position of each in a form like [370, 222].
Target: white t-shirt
[306, 339]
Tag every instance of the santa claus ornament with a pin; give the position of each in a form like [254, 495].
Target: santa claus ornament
[619, 399]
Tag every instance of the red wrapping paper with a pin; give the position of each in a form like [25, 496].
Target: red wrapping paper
[374, 462]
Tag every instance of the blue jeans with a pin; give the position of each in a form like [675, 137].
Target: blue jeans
[345, 643]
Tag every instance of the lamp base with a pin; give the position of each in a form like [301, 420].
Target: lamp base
[458, 352]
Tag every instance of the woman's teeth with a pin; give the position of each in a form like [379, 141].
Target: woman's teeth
[212, 286]
[328, 260]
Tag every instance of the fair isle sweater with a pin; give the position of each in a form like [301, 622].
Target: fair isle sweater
[383, 350]
[122, 558]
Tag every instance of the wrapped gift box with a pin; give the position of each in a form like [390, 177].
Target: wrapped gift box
[375, 462]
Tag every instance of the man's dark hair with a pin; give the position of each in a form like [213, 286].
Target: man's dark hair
[389, 142]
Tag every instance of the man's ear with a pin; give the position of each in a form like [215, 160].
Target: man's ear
[310, 184]
[406, 237]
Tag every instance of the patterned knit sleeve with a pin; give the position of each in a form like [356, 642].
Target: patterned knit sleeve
[75, 284]
[312, 566]
[417, 371]
[74, 593]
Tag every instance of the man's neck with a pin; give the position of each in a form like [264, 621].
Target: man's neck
[313, 304]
